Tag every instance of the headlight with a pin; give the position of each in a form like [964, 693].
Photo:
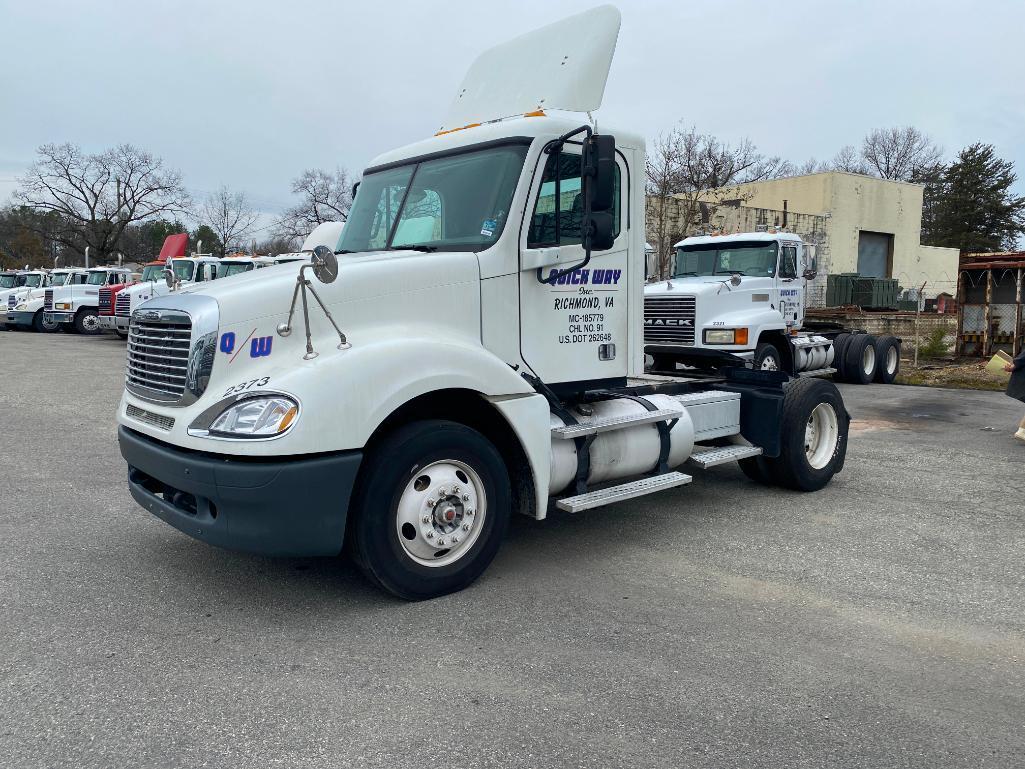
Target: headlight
[19, 307]
[62, 306]
[725, 336]
[261, 417]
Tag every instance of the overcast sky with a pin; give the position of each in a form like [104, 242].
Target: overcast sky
[249, 94]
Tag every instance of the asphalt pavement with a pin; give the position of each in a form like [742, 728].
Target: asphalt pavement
[877, 623]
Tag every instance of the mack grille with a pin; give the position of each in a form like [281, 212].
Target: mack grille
[158, 356]
[669, 320]
[123, 305]
[48, 300]
[11, 301]
[106, 295]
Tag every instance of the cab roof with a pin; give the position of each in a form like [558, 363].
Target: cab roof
[746, 237]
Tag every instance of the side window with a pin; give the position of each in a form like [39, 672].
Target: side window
[788, 262]
[558, 215]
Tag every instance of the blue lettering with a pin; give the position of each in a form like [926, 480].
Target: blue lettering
[227, 342]
[260, 347]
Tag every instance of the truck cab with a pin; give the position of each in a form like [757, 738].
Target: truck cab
[740, 299]
[76, 307]
[25, 306]
[185, 271]
[473, 346]
[109, 321]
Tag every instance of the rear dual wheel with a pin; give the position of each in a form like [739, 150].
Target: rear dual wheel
[430, 510]
[813, 438]
[887, 359]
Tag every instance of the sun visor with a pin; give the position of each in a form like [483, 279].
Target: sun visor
[562, 66]
[174, 246]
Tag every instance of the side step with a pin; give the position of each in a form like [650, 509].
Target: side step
[624, 491]
[720, 455]
[604, 424]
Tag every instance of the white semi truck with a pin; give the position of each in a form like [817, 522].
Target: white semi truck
[740, 299]
[76, 307]
[184, 271]
[25, 306]
[474, 349]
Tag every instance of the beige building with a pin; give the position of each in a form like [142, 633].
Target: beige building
[852, 223]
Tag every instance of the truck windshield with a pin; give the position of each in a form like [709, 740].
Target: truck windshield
[153, 272]
[33, 281]
[457, 203]
[757, 259]
[232, 268]
[96, 279]
[184, 269]
[8, 281]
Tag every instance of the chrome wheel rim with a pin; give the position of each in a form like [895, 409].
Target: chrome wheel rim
[769, 363]
[90, 322]
[821, 435]
[441, 513]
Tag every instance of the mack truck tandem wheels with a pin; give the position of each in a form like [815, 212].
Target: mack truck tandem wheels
[473, 348]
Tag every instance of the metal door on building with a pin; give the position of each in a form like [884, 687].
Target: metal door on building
[875, 252]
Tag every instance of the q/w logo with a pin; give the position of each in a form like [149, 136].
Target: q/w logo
[259, 347]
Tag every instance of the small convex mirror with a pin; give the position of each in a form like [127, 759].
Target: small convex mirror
[170, 278]
[325, 264]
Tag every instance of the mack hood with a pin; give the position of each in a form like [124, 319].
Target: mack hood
[699, 286]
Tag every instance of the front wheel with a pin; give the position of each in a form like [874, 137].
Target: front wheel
[813, 436]
[430, 510]
[121, 334]
[40, 325]
[767, 358]
[87, 322]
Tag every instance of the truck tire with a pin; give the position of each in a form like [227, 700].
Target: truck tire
[397, 518]
[860, 359]
[767, 358]
[121, 334]
[41, 326]
[87, 321]
[887, 359]
[840, 343]
[813, 436]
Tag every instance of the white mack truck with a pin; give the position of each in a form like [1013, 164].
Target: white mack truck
[474, 349]
[25, 305]
[740, 299]
[76, 307]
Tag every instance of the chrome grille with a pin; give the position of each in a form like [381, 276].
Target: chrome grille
[158, 355]
[11, 301]
[106, 303]
[123, 304]
[157, 420]
[48, 300]
[669, 319]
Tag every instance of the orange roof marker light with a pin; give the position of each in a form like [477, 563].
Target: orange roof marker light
[461, 128]
[535, 113]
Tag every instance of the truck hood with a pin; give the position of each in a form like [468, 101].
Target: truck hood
[700, 286]
[267, 293]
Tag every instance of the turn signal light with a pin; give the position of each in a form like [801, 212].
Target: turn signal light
[741, 336]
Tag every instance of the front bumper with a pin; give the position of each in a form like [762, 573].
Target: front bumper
[59, 317]
[288, 507]
[106, 322]
[20, 318]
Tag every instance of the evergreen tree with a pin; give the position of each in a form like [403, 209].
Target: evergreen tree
[974, 208]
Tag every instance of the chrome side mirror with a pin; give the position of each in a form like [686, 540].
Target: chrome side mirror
[325, 264]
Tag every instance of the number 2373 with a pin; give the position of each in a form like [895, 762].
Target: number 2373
[246, 386]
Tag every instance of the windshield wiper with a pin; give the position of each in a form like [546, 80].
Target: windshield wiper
[414, 247]
[343, 251]
[685, 274]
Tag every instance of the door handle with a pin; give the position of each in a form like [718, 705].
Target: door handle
[533, 258]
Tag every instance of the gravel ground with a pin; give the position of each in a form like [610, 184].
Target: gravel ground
[876, 623]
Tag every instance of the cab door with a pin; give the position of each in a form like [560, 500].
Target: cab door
[575, 328]
[791, 285]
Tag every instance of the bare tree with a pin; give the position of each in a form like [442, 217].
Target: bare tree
[848, 159]
[810, 166]
[229, 215]
[323, 197]
[98, 196]
[688, 173]
[902, 153]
